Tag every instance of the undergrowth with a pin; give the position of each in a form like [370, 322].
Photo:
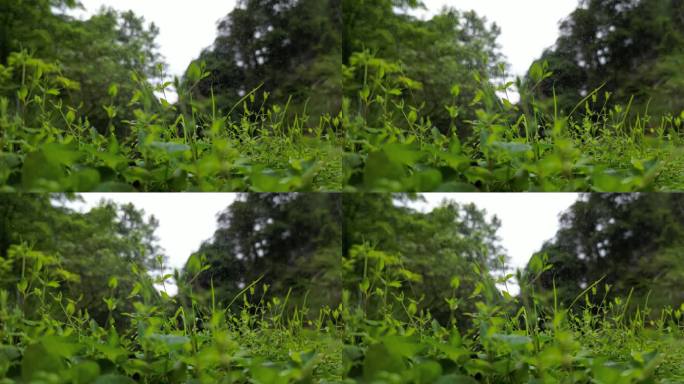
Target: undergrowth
[378, 334]
[527, 338]
[48, 338]
[527, 146]
[46, 145]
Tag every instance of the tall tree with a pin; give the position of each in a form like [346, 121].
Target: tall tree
[630, 47]
[631, 241]
[449, 249]
[447, 58]
[290, 241]
[290, 48]
[92, 54]
[91, 248]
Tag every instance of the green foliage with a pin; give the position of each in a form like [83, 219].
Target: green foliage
[79, 305]
[386, 247]
[92, 53]
[289, 48]
[629, 47]
[631, 243]
[401, 268]
[509, 339]
[168, 147]
[77, 255]
[391, 145]
[432, 56]
[167, 341]
[287, 242]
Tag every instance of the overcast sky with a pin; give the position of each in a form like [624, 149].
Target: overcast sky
[186, 27]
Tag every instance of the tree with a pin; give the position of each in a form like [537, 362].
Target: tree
[450, 249]
[92, 54]
[289, 48]
[630, 241]
[629, 47]
[90, 248]
[289, 241]
[449, 58]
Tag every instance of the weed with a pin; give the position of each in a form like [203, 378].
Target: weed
[48, 146]
[390, 146]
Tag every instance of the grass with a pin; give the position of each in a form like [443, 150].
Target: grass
[378, 334]
[378, 142]
[528, 338]
[46, 338]
[48, 146]
[528, 146]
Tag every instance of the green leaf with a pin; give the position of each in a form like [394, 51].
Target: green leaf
[70, 116]
[364, 285]
[193, 265]
[379, 168]
[37, 359]
[379, 359]
[194, 72]
[455, 282]
[84, 180]
[536, 264]
[113, 282]
[456, 379]
[512, 148]
[402, 346]
[172, 342]
[113, 90]
[169, 147]
[455, 90]
[113, 379]
[536, 72]
[402, 153]
[426, 372]
[37, 169]
[84, 372]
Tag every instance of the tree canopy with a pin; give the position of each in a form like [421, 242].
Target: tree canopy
[287, 241]
[441, 61]
[629, 241]
[426, 255]
[627, 47]
[291, 49]
[81, 253]
[92, 59]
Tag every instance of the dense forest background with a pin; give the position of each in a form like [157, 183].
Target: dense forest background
[291, 243]
[309, 247]
[622, 48]
[630, 242]
[625, 245]
[289, 50]
[294, 52]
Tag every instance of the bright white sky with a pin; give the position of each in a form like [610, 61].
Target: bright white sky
[527, 26]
